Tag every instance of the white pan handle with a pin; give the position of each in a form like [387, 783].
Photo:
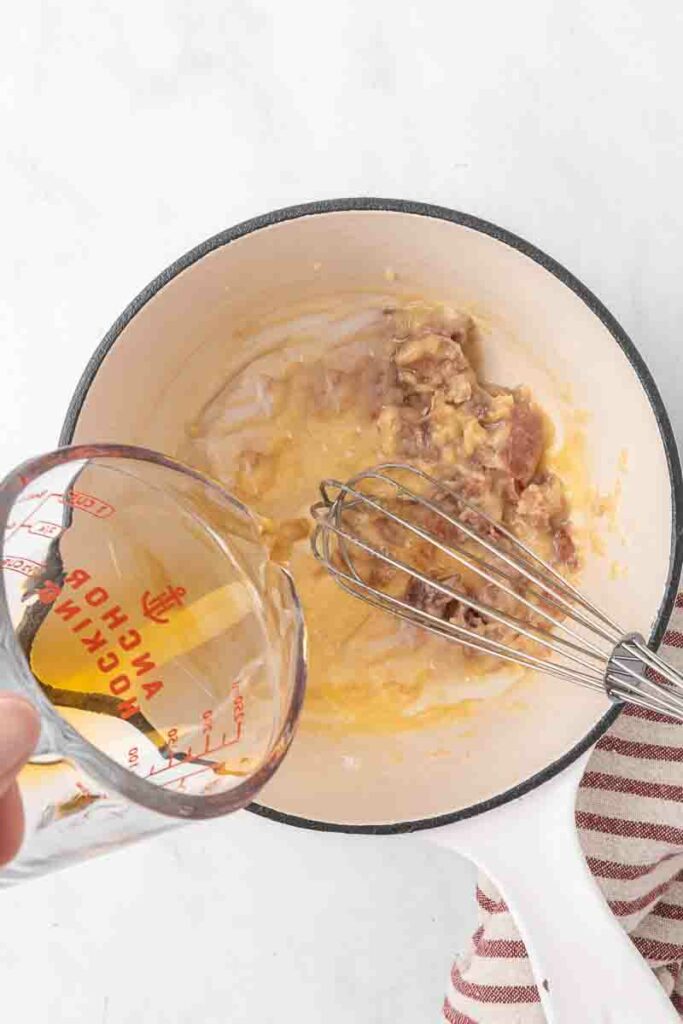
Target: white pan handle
[584, 964]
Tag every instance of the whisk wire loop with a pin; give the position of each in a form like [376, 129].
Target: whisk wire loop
[554, 628]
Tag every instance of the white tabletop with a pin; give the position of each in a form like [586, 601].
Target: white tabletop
[130, 131]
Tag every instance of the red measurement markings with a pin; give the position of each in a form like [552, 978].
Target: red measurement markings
[24, 566]
[189, 758]
[237, 705]
[33, 496]
[41, 498]
[44, 529]
[86, 503]
[183, 778]
[38, 529]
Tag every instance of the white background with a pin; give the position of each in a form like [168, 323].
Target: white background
[129, 132]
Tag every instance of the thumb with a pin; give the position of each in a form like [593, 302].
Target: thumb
[19, 732]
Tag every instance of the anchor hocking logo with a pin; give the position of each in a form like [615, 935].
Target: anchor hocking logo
[156, 607]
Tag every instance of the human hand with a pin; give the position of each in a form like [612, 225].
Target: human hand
[19, 731]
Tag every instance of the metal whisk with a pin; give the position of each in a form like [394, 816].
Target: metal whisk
[366, 527]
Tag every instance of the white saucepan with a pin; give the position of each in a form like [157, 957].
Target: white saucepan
[502, 790]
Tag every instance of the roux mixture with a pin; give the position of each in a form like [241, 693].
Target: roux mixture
[401, 384]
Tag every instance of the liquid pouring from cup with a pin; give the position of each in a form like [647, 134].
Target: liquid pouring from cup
[140, 611]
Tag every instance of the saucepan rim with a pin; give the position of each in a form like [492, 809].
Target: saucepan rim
[617, 332]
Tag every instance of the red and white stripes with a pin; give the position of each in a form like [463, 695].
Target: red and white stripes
[630, 817]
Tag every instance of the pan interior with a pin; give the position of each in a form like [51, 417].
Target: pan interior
[167, 361]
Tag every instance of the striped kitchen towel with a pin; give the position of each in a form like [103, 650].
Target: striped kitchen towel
[630, 817]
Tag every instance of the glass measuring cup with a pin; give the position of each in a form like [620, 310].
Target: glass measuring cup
[165, 651]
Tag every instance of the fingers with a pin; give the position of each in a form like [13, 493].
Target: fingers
[19, 732]
[11, 823]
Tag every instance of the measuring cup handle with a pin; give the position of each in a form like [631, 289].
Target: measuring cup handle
[585, 966]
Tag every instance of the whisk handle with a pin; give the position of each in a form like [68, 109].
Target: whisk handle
[584, 964]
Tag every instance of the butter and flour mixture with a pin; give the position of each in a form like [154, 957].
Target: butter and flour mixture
[331, 396]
